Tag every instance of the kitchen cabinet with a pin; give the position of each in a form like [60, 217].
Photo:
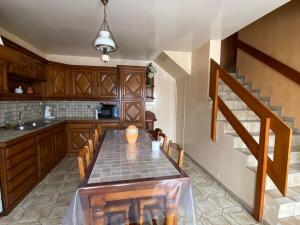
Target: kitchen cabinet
[38, 70]
[60, 145]
[108, 83]
[83, 83]
[46, 148]
[21, 65]
[78, 135]
[19, 171]
[3, 78]
[58, 81]
[133, 113]
[132, 81]
[107, 126]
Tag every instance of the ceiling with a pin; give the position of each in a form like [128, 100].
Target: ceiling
[142, 28]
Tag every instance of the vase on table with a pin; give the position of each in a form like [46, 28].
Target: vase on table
[132, 133]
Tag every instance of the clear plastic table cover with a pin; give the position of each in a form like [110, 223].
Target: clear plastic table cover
[132, 184]
[167, 202]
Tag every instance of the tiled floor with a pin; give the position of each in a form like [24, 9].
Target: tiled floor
[48, 202]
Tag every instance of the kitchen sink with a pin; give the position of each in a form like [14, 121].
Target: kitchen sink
[33, 125]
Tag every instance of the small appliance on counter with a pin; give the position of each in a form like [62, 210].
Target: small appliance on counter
[48, 112]
[107, 111]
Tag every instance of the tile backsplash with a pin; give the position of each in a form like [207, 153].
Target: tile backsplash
[9, 111]
[34, 110]
[74, 108]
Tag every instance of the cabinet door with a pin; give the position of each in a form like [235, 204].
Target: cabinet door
[38, 70]
[46, 149]
[21, 171]
[60, 146]
[133, 83]
[22, 65]
[78, 136]
[108, 84]
[133, 113]
[57, 81]
[3, 78]
[84, 83]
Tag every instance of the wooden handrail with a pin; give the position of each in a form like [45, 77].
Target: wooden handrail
[285, 70]
[276, 169]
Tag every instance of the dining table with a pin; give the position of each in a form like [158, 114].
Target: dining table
[131, 184]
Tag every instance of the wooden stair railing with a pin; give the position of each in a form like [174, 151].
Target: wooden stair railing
[276, 169]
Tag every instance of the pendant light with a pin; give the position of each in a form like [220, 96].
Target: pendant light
[105, 42]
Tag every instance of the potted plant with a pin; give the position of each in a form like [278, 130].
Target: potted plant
[151, 71]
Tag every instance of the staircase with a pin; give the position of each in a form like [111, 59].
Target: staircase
[278, 209]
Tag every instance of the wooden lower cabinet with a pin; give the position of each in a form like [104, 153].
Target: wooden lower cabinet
[78, 133]
[60, 142]
[19, 171]
[78, 136]
[46, 148]
[23, 164]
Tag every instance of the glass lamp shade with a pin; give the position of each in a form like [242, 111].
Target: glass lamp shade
[1, 42]
[104, 41]
[105, 58]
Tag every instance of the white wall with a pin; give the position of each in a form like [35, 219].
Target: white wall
[219, 159]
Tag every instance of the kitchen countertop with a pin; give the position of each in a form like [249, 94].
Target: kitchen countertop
[10, 134]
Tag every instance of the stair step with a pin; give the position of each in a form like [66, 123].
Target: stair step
[251, 125]
[294, 158]
[232, 96]
[224, 87]
[282, 207]
[293, 176]
[238, 104]
[238, 142]
[294, 220]
[271, 150]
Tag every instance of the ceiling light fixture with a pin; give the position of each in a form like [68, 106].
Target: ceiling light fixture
[1, 42]
[105, 42]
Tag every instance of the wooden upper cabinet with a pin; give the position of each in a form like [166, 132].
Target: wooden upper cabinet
[38, 70]
[58, 81]
[83, 83]
[21, 65]
[108, 84]
[3, 78]
[133, 113]
[133, 82]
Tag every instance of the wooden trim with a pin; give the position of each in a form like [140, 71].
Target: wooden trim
[214, 111]
[262, 169]
[284, 69]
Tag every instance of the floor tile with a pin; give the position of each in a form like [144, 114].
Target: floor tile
[49, 200]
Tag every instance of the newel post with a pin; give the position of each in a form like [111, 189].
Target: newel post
[262, 161]
[214, 111]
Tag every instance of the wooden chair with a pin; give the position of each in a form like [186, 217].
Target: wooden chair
[83, 160]
[177, 147]
[165, 140]
[91, 147]
[155, 133]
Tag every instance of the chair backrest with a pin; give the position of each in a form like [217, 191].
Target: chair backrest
[100, 132]
[165, 140]
[174, 146]
[156, 133]
[91, 147]
[83, 160]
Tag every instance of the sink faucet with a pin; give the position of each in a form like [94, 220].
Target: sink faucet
[20, 119]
